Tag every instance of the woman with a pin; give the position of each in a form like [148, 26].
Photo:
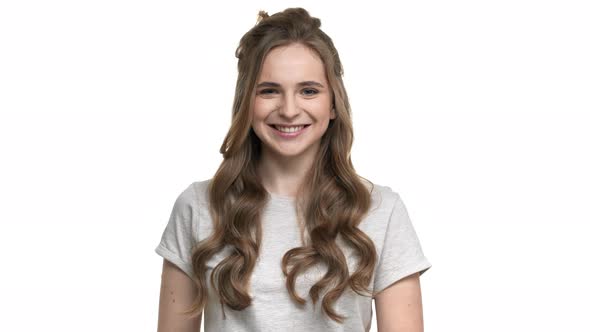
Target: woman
[286, 236]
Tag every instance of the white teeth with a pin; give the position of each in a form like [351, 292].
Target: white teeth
[289, 129]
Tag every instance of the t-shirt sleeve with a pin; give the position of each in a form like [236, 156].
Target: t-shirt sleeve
[179, 235]
[401, 254]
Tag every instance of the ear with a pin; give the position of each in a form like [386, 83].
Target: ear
[333, 113]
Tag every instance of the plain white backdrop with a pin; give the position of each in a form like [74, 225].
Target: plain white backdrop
[476, 112]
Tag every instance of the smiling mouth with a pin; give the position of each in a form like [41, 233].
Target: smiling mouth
[290, 133]
[304, 126]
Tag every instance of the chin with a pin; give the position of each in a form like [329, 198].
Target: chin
[289, 154]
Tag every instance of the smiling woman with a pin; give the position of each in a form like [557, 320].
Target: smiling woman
[286, 235]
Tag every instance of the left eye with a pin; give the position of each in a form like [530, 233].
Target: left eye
[312, 90]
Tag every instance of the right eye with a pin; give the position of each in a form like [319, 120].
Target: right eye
[265, 91]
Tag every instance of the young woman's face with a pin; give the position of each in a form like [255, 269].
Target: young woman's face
[292, 91]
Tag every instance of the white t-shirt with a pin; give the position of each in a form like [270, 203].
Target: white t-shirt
[387, 224]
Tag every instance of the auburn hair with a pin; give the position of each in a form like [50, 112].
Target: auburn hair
[332, 200]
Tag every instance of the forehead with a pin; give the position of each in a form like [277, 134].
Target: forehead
[291, 64]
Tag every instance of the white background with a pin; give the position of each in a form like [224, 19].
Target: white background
[476, 113]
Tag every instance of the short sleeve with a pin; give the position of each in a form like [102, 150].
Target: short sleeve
[179, 235]
[401, 254]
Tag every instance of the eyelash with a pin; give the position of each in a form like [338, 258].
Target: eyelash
[265, 90]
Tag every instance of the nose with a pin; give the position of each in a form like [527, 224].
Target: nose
[289, 108]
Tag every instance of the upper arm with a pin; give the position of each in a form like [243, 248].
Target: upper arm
[398, 298]
[399, 306]
[177, 293]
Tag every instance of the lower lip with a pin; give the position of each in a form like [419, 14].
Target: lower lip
[289, 135]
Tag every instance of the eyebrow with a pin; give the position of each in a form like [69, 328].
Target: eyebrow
[276, 85]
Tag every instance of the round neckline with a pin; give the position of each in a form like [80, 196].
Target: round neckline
[282, 197]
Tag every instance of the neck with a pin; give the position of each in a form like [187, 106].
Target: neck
[283, 175]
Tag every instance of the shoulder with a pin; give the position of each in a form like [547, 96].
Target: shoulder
[200, 190]
[383, 196]
[190, 210]
[193, 195]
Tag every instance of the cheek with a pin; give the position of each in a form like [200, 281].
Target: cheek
[318, 106]
[261, 112]
[262, 105]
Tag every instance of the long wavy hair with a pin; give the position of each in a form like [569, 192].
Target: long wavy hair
[331, 201]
